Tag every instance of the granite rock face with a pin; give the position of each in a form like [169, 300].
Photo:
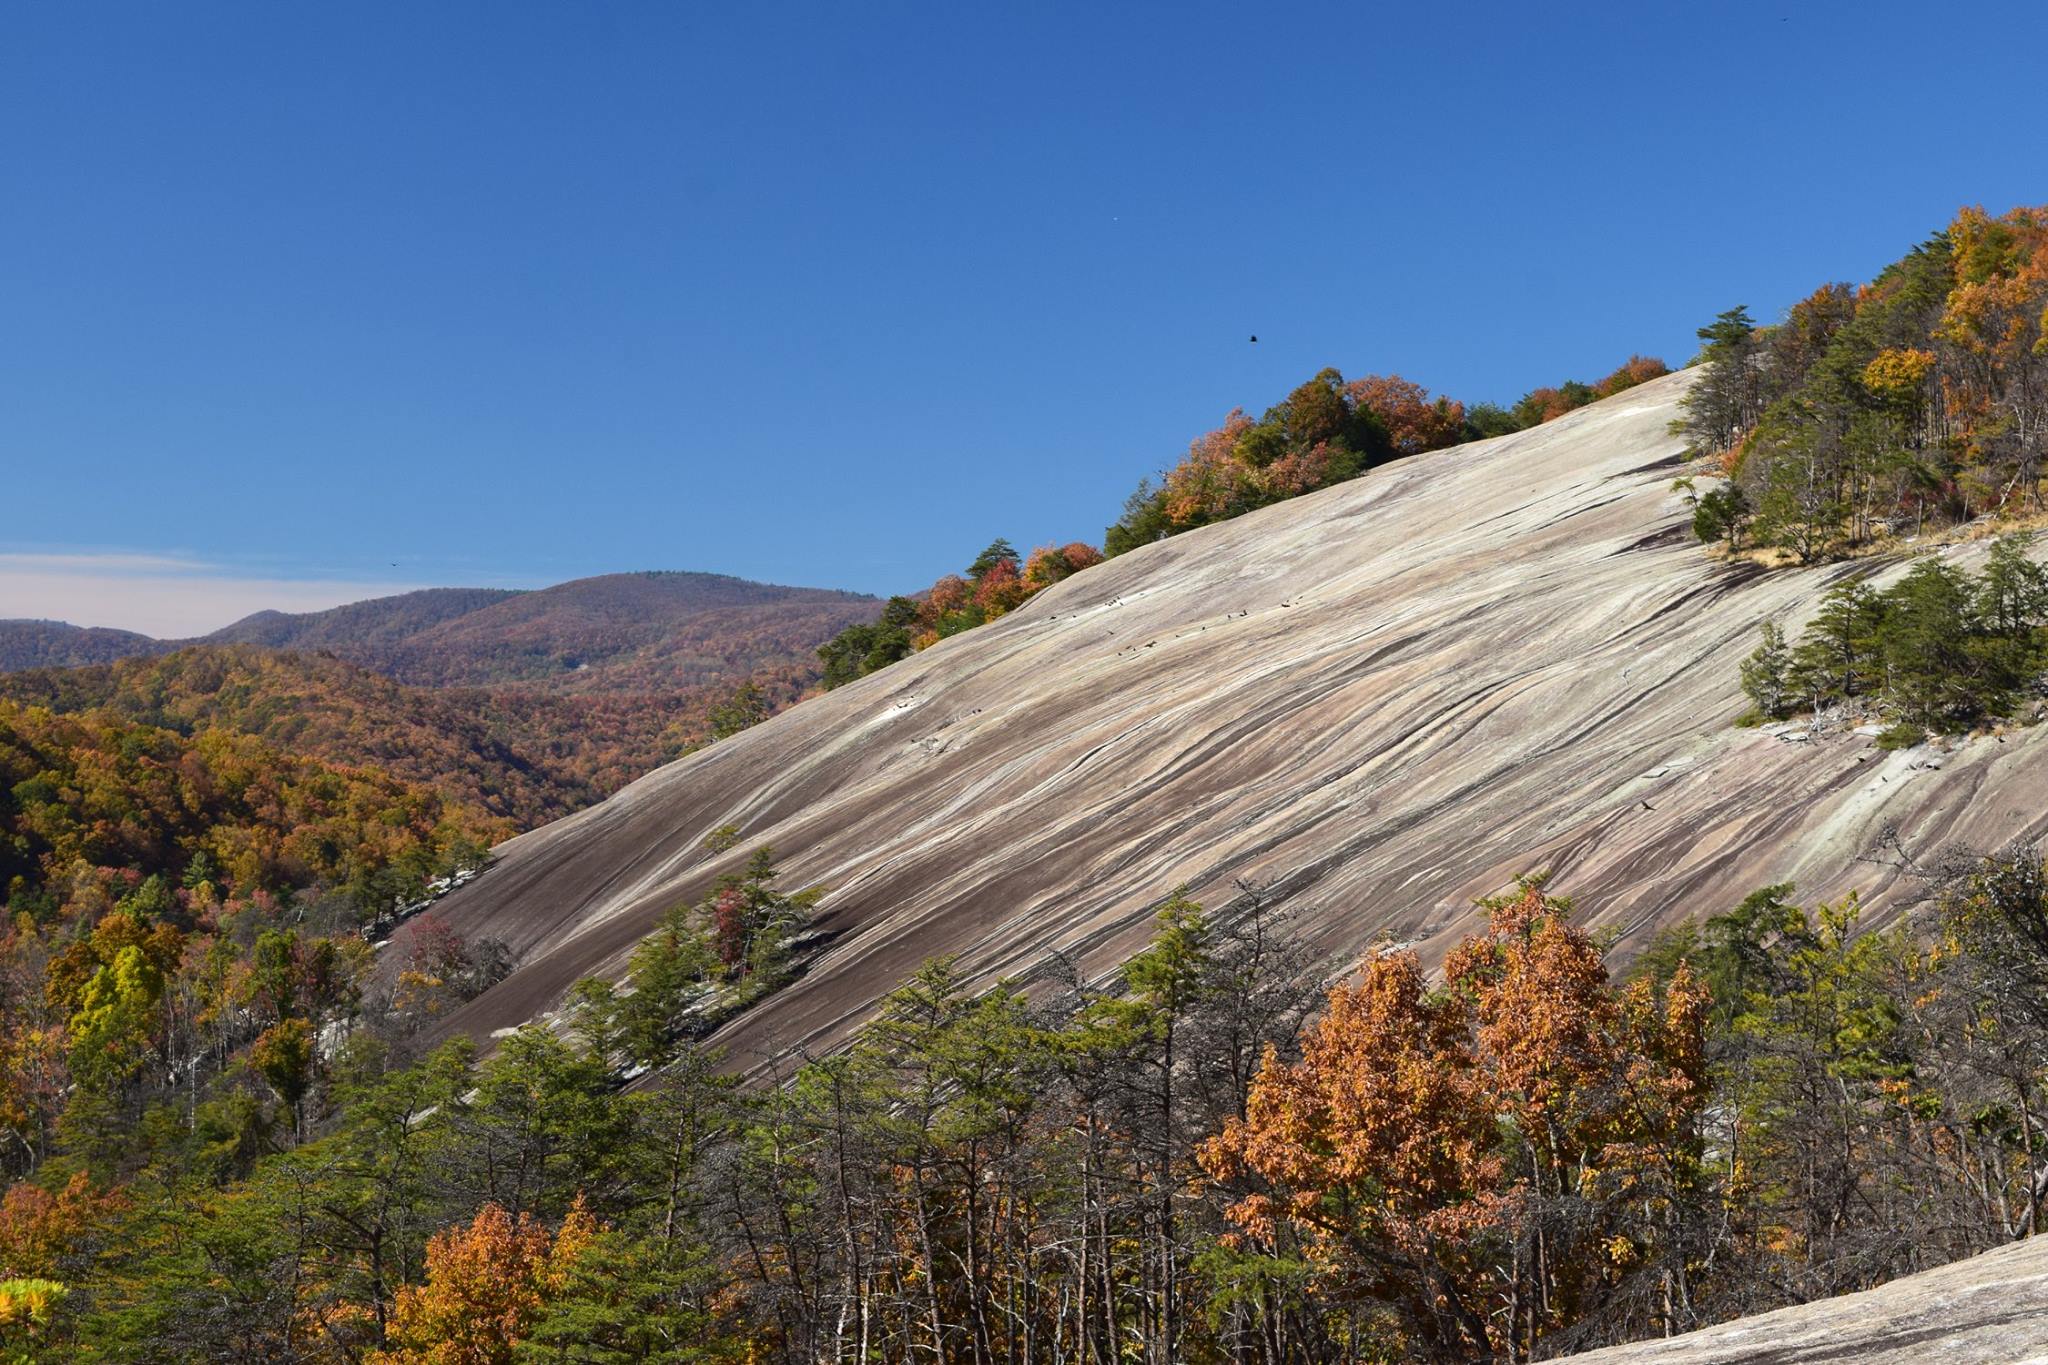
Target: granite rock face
[1379, 701]
[1988, 1310]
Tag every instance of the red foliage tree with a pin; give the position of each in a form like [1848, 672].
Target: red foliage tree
[730, 925]
[949, 594]
[1637, 369]
[1001, 589]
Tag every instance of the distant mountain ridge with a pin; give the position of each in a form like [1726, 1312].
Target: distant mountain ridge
[59, 644]
[616, 633]
[375, 620]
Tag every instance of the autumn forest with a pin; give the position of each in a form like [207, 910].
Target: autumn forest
[235, 1125]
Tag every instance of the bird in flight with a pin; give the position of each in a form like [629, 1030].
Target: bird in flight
[1255, 340]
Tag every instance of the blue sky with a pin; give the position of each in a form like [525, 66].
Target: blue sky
[399, 294]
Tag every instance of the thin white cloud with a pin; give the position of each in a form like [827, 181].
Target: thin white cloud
[159, 595]
[111, 561]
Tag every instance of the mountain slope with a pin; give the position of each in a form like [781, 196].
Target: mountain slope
[1380, 701]
[617, 633]
[379, 622]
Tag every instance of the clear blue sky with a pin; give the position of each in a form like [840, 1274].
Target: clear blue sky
[833, 294]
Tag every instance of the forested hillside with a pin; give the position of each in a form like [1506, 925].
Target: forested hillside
[1902, 415]
[53, 644]
[641, 632]
[361, 628]
[1201, 1157]
[1868, 414]
[158, 882]
[522, 768]
[522, 705]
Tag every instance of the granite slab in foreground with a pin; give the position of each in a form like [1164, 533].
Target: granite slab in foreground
[1990, 1308]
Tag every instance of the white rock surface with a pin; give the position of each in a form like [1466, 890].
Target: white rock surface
[1381, 700]
[1988, 1310]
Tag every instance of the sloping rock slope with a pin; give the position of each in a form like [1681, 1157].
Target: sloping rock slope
[1988, 1310]
[1381, 701]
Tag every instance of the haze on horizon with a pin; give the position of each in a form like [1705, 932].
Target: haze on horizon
[166, 596]
[311, 306]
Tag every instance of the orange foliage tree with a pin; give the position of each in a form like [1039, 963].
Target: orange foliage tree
[486, 1285]
[1050, 564]
[1490, 1160]
[1414, 421]
[1373, 1151]
[38, 1228]
[1212, 482]
[1994, 330]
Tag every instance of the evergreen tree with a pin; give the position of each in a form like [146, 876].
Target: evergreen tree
[1727, 399]
[1839, 655]
[1766, 674]
[1932, 672]
[1721, 513]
